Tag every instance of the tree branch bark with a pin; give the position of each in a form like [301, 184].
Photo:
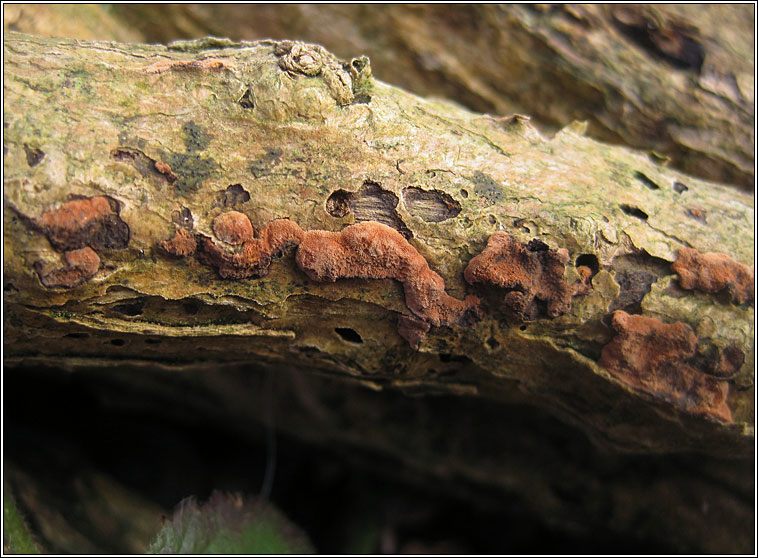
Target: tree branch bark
[157, 141]
[674, 79]
[265, 204]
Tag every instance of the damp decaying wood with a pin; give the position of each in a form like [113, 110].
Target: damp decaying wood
[303, 228]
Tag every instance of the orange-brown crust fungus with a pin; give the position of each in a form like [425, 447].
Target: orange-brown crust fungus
[253, 257]
[413, 330]
[713, 273]
[84, 222]
[80, 266]
[374, 251]
[532, 272]
[233, 227]
[165, 169]
[181, 244]
[583, 285]
[206, 64]
[367, 250]
[651, 356]
[78, 228]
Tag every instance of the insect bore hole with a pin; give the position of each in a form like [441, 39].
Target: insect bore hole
[348, 334]
[634, 211]
[588, 260]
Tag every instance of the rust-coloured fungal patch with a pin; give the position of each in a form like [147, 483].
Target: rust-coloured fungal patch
[78, 228]
[84, 222]
[165, 169]
[64, 225]
[181, 244]
[365, 251]
[651, 356]
[80, 266]
[413, 330]
[253, 257]
[531, 272]
[233, 227]
[376, 251]
[713, 273]
[207, 64]
[584, 283]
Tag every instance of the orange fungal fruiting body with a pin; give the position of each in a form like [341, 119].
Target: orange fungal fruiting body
[713, 273]
[651, 356]
[530, 271]
[374, 251]
[80, 266]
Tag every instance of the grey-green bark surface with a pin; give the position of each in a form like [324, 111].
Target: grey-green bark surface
[676, 79]
[100, 119]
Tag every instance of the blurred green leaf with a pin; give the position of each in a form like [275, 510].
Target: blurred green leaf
[17, 538]
[228, 524]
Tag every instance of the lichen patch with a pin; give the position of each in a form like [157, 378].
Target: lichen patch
[651, 356]
[488, 187]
